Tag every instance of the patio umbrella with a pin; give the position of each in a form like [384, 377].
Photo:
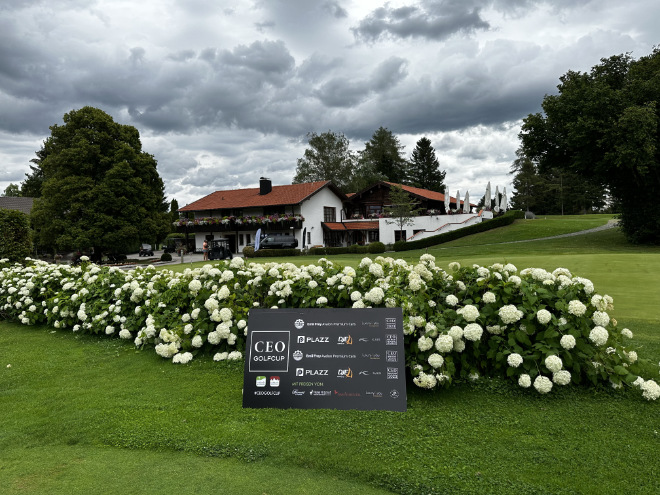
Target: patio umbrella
[466, 202]
[447, 200]
[257, 240]
[503, 202]
[497, 197]
[458, 201]
[487, 197]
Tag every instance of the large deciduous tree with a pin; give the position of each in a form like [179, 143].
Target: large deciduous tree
[424, 167]
[15, 235]
[603, 126]
[327, 158]
[100, 189]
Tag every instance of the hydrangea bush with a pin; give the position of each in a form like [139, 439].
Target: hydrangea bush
[537, 328]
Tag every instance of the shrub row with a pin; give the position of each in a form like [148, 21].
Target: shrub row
[249, 252]
[501, 221]
[373, 248]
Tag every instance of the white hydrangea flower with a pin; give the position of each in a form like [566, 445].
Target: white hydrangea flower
[543, 316]
[195, 286]
[525, 381]
[509, 314]
[454, 266]
[473, 332]
[468, 312]
[626, 333]
[599, 336]
[631, 355]
[474, 376]
[459, 345]
[424, 343]
[542, 384]
[182, 358]
[561, 377]
[515, 280]
[358, 304]
[234, 356]
[220, 356]
[197, 341]
[489, 297]
[576, 308]
[567, 342]
[600, 318]
[451, 300]
[553, 363]
[444, 344]
[436, 360]
[375, 295]
[514, 359]
[455, 332]
[425, 381]
[356, 295]
[650, 390]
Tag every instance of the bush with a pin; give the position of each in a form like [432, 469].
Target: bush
[166, 257]
[376, 247]
[267, 253]
[248, 252]
[15, 235]
[506, 219]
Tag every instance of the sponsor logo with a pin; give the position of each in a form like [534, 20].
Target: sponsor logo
[394, 393]
[301, 339]
[375, 395]
[391, 339]
[269, 351]
[363, 373]
[363, 339]
[299, 323]
[348, 340]
[313, 340]
[347, 394]
[274, 381]
[347, 373]
[375, 339]
[392, 356]
[371, 356]
[392, 373]
[297, 392]
[261, 381]
[297, 355]
[371, 324]
[377, 373]
[390, 324]
[320, 393]
[304, 372]
[266, 392]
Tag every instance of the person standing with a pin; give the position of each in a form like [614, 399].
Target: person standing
[205, 250]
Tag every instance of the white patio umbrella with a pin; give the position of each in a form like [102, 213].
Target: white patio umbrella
[487, 197]
[466, 202]
[503, 202]
[458, 201]
[447, 200]
[497, 197]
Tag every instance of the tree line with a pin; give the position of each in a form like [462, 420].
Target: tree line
[329, 157]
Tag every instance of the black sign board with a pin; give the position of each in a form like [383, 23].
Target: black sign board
[325, 359]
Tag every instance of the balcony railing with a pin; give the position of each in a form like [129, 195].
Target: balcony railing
[231, 223]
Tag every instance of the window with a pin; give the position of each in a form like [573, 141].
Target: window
[373, 236]
[247, 238]
[240, 239]
[399, 235]
[329, 214]
[374, 210]
[309, 237]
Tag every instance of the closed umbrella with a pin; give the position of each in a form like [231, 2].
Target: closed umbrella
[466, 202]
[447, 200]
[487, 197]
[497, 197]
[503, 202]
[458, 201]
[257, 240]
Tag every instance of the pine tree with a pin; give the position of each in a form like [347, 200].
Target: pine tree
[424, 167]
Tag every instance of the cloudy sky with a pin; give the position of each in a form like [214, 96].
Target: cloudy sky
[225, 92]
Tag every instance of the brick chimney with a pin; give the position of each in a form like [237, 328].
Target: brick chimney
[265, 186]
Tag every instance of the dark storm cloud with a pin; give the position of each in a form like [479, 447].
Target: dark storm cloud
[345, 92]
[433, 21]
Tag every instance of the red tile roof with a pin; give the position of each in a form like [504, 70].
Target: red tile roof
[425, 193]
[245, 198]
[366, 225]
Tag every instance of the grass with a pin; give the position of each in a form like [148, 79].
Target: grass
[88, 414]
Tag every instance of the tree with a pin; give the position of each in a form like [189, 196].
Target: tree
[174, 210]
[100, 189]
[15, 235]
[34, 181]
[12, 190]
[603, 126]
[424, 167]
[383, 155]
[327, 158]
[403, 208]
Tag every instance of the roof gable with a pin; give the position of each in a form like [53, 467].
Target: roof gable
[247, 198]
[21, 204]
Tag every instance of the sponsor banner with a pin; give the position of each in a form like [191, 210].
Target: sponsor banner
[325, 359]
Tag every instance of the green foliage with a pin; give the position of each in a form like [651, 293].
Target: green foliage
[603, 127]
[333, 251]
[424, 167]
[100, 189]
[166, 257]
[383, 157]
[403, 208]
[376, 247]
[266, 253]
[248, 251]
[327, 158]
[12, 190]
[15, 235]
[507, 219]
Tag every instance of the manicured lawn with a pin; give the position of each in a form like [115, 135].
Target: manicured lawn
[86, 414]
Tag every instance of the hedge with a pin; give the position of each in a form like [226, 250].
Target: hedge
[501, 221]
[249, 252]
